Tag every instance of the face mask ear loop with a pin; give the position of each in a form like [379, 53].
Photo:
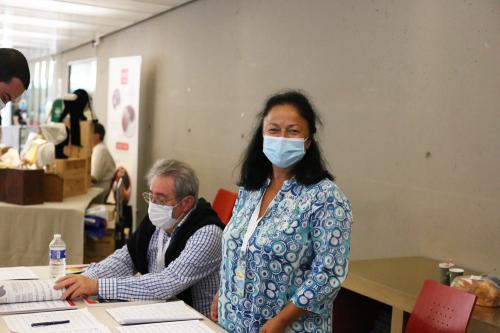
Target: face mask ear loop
[178, 203]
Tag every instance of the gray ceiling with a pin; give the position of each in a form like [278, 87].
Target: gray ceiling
[42, 27]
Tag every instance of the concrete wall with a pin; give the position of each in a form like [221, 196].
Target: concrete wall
[408, 91]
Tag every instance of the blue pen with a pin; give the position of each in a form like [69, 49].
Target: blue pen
[48, 323]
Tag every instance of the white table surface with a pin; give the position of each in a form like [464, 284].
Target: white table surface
[99, 312]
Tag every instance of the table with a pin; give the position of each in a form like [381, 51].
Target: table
[397, 282]
[26, 231]
[100, 312]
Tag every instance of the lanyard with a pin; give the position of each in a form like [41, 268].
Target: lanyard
[240, 271]
[252, 225]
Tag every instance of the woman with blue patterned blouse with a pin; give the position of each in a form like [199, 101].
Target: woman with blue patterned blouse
[286, 247]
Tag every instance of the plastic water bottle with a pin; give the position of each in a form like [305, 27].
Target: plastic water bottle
[57, 257]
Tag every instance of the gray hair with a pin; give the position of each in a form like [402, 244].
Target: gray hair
[185, 180]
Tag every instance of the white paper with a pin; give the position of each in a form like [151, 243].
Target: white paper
[190, 326]
[35, 307]
[17, 273]
[81, 321]
[99, 329]
[28, 291]
[153, 313]
[93, 301]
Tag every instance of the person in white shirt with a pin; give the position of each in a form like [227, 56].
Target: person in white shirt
[103, 165]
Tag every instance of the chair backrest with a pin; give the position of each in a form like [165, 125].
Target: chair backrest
[440, 309]
[223, 204]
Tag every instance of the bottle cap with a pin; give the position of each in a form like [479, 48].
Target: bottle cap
[57, 235]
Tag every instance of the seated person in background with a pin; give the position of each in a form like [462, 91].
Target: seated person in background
[121, 190]
[177, 248]
[103, 165]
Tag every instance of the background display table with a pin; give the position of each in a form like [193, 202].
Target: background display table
[26, 231]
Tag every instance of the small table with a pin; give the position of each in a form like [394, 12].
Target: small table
[99, 312]
[26, 231]
[397, 282]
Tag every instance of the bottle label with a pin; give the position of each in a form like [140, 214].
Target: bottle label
[57, 254]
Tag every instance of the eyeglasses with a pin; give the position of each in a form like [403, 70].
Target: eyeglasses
[156, 199]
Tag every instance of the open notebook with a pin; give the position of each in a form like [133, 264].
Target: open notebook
[23, 296]
[28, 291]
[154, 313]
[41, 306]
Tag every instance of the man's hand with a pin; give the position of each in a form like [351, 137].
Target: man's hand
[77, 286]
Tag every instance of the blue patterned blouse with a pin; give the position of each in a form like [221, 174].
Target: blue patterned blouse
[298, 253]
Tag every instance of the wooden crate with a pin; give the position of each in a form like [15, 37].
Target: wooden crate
[88, 167]
[74, 174]
[2, 184]
[72, 187]
[23, 186]
[53, 188]
[71, 168]
[86, 140]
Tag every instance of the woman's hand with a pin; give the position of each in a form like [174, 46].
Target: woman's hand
[214, 307]
[280, 322]
[274, 325]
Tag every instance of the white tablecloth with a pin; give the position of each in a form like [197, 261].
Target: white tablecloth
[26, 231]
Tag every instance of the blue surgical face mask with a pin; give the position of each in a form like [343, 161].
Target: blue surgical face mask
[283, 152]
[23, 104]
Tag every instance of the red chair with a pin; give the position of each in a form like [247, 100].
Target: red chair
[442, 309]
[223, 204]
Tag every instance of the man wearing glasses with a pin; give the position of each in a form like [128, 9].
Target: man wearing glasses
[177, 248]
[14, 76]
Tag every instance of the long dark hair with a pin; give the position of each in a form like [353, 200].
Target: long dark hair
[256, 168]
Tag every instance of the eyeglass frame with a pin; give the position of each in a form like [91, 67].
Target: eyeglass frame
[150, 197]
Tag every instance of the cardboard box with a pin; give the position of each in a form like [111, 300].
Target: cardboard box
[23, 186]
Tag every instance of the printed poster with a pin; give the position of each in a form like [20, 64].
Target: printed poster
[122, 137]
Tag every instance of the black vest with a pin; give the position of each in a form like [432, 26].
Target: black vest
[138, 243]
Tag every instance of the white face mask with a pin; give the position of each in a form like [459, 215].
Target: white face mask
[161, 216]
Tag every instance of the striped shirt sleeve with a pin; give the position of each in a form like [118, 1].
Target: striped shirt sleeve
[200, 258]
[117, 264]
